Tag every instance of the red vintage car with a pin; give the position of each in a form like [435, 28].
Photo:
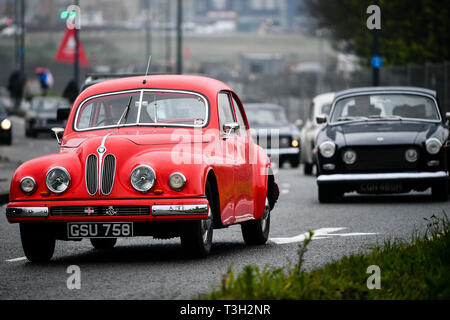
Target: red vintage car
[163, 156]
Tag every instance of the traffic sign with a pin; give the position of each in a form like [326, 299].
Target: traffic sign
[66, 51]
[376, 62]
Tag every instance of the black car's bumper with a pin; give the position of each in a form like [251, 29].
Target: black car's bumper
[383, 182]
[5, 134]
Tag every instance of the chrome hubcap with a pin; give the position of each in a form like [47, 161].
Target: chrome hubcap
[266, 215]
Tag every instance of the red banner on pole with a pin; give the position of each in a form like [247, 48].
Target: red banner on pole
[66, 50]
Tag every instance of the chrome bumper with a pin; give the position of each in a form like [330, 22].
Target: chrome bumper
[183, 209]
[19, 212]
[283, 151]
[382, 176]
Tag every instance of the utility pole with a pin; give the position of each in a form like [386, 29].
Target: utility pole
[168, 33]
[76, 62]
[148, 31]
[22, 42]
[16, 36]
[376, 53]
[179, 37]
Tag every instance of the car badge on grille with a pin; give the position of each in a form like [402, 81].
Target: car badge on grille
[110, 211]
[89, 211]
[101, 149]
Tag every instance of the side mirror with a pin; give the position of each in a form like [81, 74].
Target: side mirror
[58, 134]
[321, 119]
[62, 114]
[447, 116]
[230, 128]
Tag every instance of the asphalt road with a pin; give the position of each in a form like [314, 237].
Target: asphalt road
[144, 268]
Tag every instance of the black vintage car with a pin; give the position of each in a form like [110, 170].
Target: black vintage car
[383, 140]
[5, 126]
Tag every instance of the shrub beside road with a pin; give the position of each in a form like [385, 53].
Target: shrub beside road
[419, 269]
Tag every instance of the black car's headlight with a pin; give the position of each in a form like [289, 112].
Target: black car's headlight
[349, 157]
[411, 155]
[5, 124]
[327, 149]
[57, 179]
[143, 178]
[433, 146]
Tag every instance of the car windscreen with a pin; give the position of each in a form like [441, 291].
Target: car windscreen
[385, 106]
[265, 116]
[2, 109]
[149, 108]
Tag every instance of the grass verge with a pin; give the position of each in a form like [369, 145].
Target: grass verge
[418, 269]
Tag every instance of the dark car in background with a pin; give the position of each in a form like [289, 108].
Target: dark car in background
[383, 140]
[5, 126]
[42, 115]
[271, 130]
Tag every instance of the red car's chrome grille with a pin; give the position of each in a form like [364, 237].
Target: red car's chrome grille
[108, 174]
[86, 211]
[92, 174]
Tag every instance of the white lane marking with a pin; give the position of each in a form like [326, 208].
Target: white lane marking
[322, 233]
[16, 259]
[285, 185]
[284, 191]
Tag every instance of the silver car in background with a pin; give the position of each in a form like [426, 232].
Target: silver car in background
[320, 105]
[42, 115]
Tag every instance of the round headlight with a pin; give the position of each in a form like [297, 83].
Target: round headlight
[411, 155]
[6, 124]
[27, 185]
[57, 180]
[349, 157]
[327, 149]
[177, 181]
[433, 146]
[295, 143]
[143, 178]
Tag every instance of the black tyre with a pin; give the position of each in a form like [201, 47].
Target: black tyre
[256, 232]
[295, 163]
[308, 169]
[439, 191]
[38, 242]
[328, 194]
[197, 236]
[103, 244]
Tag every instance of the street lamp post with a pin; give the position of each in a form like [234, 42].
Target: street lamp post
[179, 37]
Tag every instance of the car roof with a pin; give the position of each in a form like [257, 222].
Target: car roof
[385, 90]
[324, 98]
[262, 105]
[201, 84]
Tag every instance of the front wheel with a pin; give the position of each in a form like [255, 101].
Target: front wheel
[197, 236]
[439, 191]
[256, 232]
[38, 243]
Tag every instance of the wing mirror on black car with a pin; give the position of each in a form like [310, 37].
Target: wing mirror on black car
[321, 119]
[62, 114]
[447, 116]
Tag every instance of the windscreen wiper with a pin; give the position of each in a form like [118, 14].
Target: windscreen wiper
[125, 112]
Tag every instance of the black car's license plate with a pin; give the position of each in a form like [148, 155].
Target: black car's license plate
[381, 187]
[78, 230]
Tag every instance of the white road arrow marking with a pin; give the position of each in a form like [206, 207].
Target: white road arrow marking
[323, 233]
[16, 259]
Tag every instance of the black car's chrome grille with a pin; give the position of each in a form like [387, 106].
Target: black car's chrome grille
[92, 174]
[381, 160]
[84, 211]
[108, 174]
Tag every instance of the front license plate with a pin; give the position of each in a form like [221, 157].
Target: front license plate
[383, 187]
[78, 230]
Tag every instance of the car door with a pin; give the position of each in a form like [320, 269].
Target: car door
[243, 193]
[227, 166]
